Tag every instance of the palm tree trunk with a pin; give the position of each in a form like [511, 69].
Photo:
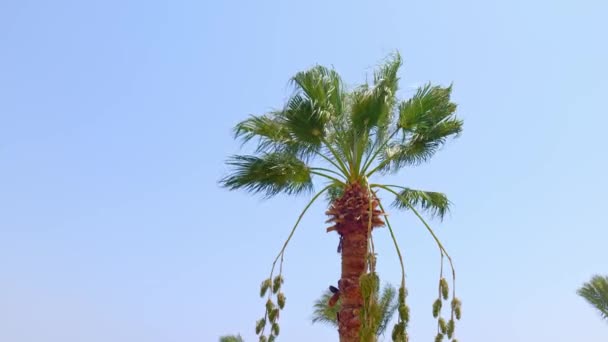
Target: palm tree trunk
[354, 254]
[350, 213]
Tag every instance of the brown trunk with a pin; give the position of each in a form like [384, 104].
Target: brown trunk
[350, 213]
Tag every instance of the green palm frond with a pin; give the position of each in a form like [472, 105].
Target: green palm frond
[323, 87]
[387, 303]
[425, 121]
[413, 152]
[323, 313]
[274, 135]
[271, 173]
[372, 105]
[595, 292]
[271, 131]
[231, 338]
[429, 106]
[434, 203]
[428, 117]
[424, 124]
[334, 192]
[304, 120]
[388, 306]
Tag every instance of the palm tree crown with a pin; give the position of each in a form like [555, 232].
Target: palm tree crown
[346, 138]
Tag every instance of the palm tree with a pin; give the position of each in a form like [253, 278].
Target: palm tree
[346, 138]
[325, 312]
[596, 293]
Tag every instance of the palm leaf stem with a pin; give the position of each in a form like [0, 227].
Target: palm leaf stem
[380, 149]
[328, 170]
[343, 167]
[339, 167]
[326, 176]
[296, 226]
[390, 229]
[428, 227]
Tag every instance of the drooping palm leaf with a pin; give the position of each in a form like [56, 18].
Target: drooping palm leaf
[269, 128]
[323, 313]
[271, 173]
[434, 203]
[388, 306]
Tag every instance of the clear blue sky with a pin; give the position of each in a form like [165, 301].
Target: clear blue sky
[115, 120]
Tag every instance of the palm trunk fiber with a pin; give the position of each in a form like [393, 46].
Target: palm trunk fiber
[350, 215]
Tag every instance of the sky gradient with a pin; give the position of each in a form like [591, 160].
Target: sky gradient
[115, 122]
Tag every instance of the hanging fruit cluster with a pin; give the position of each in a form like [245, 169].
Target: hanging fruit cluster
[446, 329]
[274, 305]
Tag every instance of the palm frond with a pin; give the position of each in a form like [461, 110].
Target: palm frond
[388, 306]
[323, 313]
[429, 106]
[340, 140]
[372, 106]
[318, 101]
[334, 192]
[434, 203]
[268, 128]
[273, 135]
[426, 121]
[323, 87]
[595, 292]
[231, 338]
[305, 122]
[271, 173]
[414, 152]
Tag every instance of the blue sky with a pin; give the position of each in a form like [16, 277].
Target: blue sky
[115, 121]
